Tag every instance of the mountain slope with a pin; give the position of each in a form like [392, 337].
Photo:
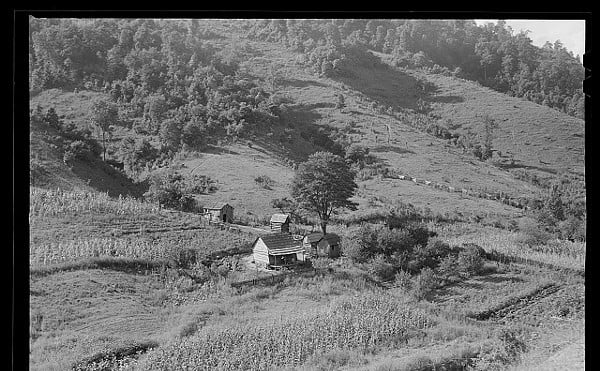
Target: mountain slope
[48, 170]
[381, 103]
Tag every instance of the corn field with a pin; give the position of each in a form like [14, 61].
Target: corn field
[46, 202]
[358, 323]
[149, 247]
[565, 254]
[81, 248]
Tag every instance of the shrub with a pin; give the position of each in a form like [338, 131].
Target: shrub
[395, 241]
[182, 257]
[429, 255]
[418, 260]
[448, 267]
[420, 234]
[437, 250]
[381, 269]
[362, 245]
[354, 250]
[506, 350]
[532, 234]
[572, 229]
[170, 190]
[264, 181]
[79, 150]
[402, 280]
[424, 283]
[357, 154]
[470, 259]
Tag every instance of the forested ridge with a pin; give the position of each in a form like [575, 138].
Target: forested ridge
[493, 55]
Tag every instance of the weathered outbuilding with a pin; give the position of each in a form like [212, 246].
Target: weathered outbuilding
[277, 250]
[280, 223]
[319, 245]
[219, 213]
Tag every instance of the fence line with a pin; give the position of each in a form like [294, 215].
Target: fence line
[494, 196]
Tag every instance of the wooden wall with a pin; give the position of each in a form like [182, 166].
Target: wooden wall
[260, 253]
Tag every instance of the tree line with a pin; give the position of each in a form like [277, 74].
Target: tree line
[492, 54]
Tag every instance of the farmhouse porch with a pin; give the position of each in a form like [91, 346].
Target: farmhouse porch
[277, 250]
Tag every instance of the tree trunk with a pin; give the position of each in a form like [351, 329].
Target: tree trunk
[324, 227]
[103, 147]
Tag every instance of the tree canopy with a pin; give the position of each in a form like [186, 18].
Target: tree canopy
[323, 185]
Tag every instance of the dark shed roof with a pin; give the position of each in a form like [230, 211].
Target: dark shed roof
[280, 218]
[332, 238]
[314, 237]
[217, 206]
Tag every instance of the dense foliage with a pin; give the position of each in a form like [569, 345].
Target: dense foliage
[161, 76]
[173, 190]
[323, 185]
[491, 54]
[75, 143]
[562, 209]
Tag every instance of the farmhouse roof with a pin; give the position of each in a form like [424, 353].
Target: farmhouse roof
[281, 244]
[280, 218]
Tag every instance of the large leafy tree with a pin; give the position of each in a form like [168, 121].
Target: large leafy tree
[104, 114]
[324, 184]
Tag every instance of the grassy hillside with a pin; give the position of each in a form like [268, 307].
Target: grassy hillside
[48, 146]
[539, 138]
[380, 102]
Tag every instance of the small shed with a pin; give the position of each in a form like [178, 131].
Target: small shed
[219, 212]
[310, 242]
[277, 250]
[280, 223]
[319, 245]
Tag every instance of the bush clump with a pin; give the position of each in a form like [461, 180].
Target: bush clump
[381, 269]
[264, 181]
[470, 259]
[531, 234]
[424, 283]
[80, 150]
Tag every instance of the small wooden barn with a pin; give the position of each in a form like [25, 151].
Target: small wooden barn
[319, 245]
[280, 223]
[277, 250]
[219, 213]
